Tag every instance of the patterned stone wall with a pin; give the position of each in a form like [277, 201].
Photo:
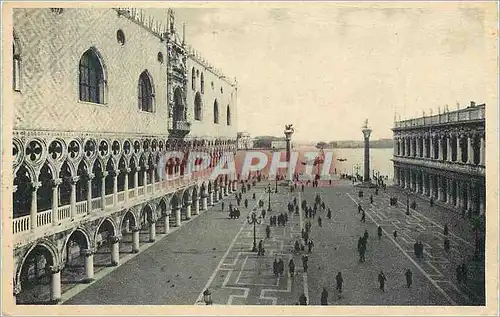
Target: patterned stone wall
[222, 91]
[51, 45]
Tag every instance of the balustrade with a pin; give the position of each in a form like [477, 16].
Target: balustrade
[96, 203]
[109, 200]
[64, 212]
[21, 224]
[81, 208]
[121, 196]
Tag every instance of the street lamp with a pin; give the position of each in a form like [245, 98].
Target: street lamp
[253, 220]
[207, 297]
[269, 192]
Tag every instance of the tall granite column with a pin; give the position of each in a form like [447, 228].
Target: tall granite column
[366, 133]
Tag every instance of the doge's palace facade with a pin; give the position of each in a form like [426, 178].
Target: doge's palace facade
[99, 96]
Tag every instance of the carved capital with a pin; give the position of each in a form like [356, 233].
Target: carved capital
[36, 185]
[136, 228]
[74, 180]
[115, 239]
[56, 268]
[90, 176]
[88, 252]
[105, 173]
[128, 170]
[56, 182]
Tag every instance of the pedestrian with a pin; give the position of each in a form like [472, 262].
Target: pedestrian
[330, 181]
[268, 232]
[275, 267]
[381, 280]
[360, 242]
[281, 267]
[261, 248]
[415, 248]
[409, 278]
[310, 245]
[222, 205]
[379, 232]
[302, 187]
[363, 217]
[431, 201]
[324, 297]
[303, 300]
[421, 249]
[329, 214]
[340, 282]
[366, 235]
[246, 203]
[395, 234]
[291, 267]
[362, 250]
[263, 213]
[238, 200]
[319, 221]
[359, 208]
[445, 230]
[253, 196]
[447, 244]
[297, 246]
[371, 199]
[305, 259]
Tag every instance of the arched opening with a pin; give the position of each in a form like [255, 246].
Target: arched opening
[133, 170]
[186, 201]
[35, 276]
[216, 112]
[163, 212]
[74, 253]
[110, 168]
[146, 93]
[157, 165]
[146, 221]
[81, 184]
[103, 244]
[228, 115]
[142, 170]
[23, 193]
[151, 169]
[193, 79]
[174, 205]
[44, 193]
[65, 187]
[202, 83]
[198, 107]
[122, 167]
[92, 78]
[97, 180]
[128, 223]
[179, 109]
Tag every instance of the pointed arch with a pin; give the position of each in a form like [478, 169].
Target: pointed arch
[146, 92]
[228, 115]
[193, 79]
[179, 107]
[216, 112]
[92, 77]
[198, 107]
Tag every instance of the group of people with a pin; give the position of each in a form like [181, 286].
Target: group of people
[418, 248]
[278, 267]
[280, 220]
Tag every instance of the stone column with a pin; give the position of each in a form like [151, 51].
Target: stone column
[204, 202]
[431, 185]
[211, 198]
[449, 149]
[145, 179]
[55, 283]
[125, 188]
[115, 250]
[55, 200]
[470, 151]
[440, 147]
[481, 150]
[431, 143]
[103, 189]
[196, 206]
[178, 216]
[424, 186]
[73, 196]
[410, 139]
[115, 187]
[135, 239]
[166, 223]
[458, 193]
[89, 265]
[366, 134]
[424, 145]
[90, 177]
[459, 148]
[188, 209]
[136, 183]
[152, 230]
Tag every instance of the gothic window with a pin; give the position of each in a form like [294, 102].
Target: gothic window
[198, 112]
[202, 84]
[228, 115]
[120, 37]
[193, 79]
[145, 92]
[16, 67]
[216, 112]
[92, 81]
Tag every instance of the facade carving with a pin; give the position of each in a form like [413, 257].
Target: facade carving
[443, 157]
[89, 175]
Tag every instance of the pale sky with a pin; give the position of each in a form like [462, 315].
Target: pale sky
[326, 68]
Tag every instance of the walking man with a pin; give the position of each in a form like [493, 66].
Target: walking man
[246, 203]
[381, 280]
[324, 297]
[409, 278]
[379, 232]
[363, 217]
[305, 259]
[340, 282]
[222, 205]
[329, 214]
[371, 199]
[268, 232]
[310, 245]
[291, 267]
[319, 221]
